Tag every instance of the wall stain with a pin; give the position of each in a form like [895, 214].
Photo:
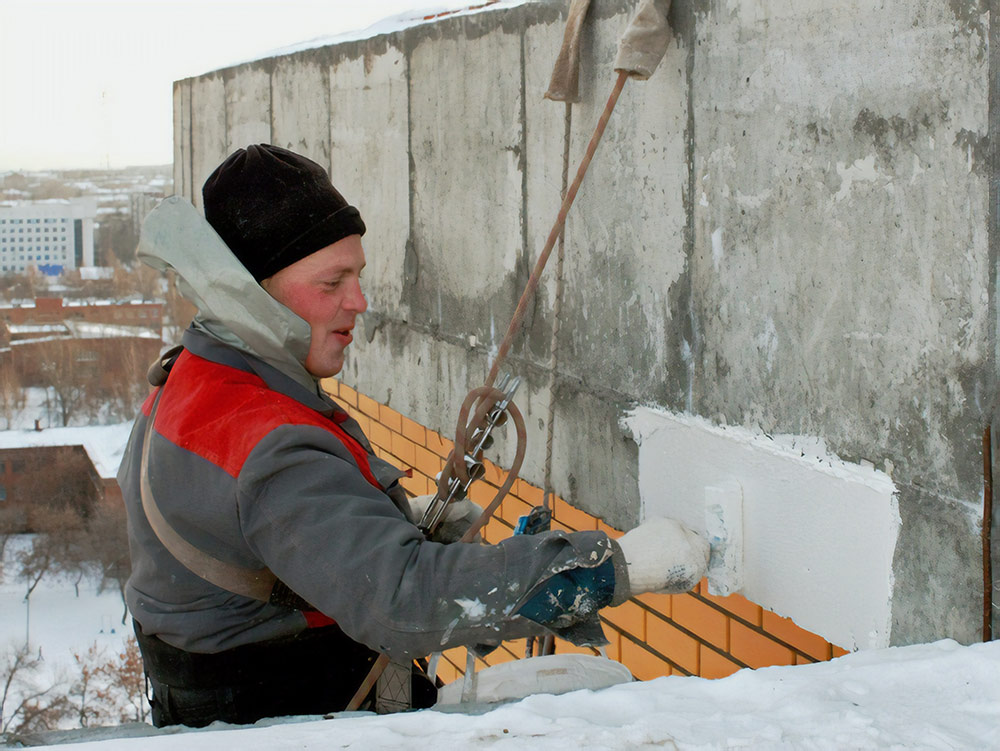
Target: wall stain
[897, 134]
[978, 147]
[971, 15]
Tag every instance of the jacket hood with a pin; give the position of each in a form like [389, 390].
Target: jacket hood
[232, 306]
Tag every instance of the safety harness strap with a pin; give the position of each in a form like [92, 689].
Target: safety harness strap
[257, 584]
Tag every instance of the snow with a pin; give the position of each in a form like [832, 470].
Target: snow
[931, 696]
[392, 24]
[93, 330]
[934, 696]
[60, 622]
[91, 273]
[104, 444]
[35, 328]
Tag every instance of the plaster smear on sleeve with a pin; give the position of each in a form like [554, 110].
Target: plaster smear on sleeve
[819, 532]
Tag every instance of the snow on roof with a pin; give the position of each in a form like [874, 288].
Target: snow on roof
[104, 444]
[85, 330]
[96, 272]
[91, 330]
[405, 20]
[35, 328]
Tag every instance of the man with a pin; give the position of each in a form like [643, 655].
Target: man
[241, 469]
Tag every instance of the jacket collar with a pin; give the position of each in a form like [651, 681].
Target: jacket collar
[204, 345]
[232, 307]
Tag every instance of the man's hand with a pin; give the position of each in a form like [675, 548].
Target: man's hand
[663, 556]
[457, 519]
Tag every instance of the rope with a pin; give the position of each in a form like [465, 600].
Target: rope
[456, 461]
[486, 395]
[532, 285]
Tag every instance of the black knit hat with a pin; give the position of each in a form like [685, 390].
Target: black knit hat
[273, 207]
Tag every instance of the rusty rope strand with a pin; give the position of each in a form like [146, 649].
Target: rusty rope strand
[532, 285]
[459, 451]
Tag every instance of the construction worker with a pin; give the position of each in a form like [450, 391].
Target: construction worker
[242, 469]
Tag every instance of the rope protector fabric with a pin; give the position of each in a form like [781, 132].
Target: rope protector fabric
[564, 85]
[645, 41]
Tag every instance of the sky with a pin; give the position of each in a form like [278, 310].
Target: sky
[89, 84]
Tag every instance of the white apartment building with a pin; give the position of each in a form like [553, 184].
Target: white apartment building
[49, 236]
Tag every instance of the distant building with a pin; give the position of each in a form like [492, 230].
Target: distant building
[49, 236]
[87, 458]
[27, 480]
[96, 339]
[146, 314]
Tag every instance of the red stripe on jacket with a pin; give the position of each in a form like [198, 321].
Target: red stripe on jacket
[221, 413]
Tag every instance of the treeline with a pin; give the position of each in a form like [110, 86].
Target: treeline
[101, 690]
[80, 543]
[73, 541]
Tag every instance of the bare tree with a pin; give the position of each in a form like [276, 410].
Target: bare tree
[12, 395]
[86, 692]
[26, 704]
[13, 521]
[73, 386]
[104, 546]
[130, 389]
[116, 240]
[127, 682]
[52, 551]
[15, 286]
[109, 690]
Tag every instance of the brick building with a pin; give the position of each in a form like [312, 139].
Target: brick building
[27, 480]
[144, 313]
[59, 468]
[94, 344]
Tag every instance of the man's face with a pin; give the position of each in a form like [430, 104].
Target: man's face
[324, 289]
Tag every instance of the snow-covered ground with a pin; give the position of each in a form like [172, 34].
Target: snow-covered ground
[55, 621]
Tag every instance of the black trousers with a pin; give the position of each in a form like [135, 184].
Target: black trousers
[313, 672]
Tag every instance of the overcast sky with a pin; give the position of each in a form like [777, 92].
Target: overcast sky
[88, 84]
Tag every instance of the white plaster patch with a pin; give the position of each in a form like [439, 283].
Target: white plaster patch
[753, 201]
[767, 343]
[717, 247]
[818, 533]
[863, 170]
[472, 609]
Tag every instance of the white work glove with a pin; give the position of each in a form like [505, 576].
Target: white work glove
[457, 519]
[664, 556]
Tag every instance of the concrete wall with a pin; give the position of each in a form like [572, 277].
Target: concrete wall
[786, 229]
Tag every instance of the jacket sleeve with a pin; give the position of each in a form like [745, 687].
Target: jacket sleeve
[342, 544]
